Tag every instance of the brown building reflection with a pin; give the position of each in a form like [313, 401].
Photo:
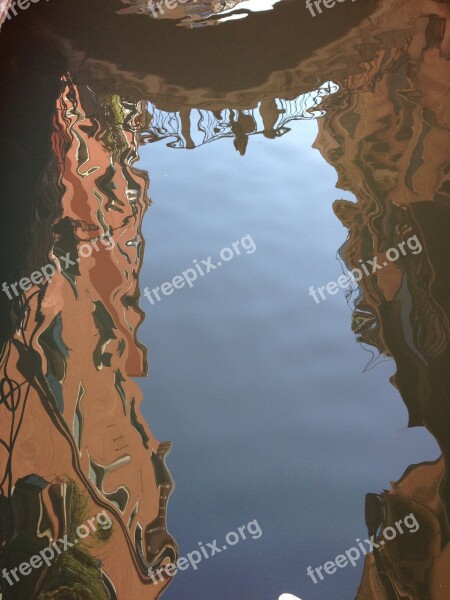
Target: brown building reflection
[387, 135]
[73, 439]
[70, 348]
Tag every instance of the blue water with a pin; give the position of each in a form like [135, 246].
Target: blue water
[262, 391]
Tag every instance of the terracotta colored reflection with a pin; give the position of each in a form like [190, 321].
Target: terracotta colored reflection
[71, 405]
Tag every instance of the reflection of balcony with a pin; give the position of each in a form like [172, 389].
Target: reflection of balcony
[193, 128]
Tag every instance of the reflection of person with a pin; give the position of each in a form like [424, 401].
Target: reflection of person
[270, 114]
[242, 127]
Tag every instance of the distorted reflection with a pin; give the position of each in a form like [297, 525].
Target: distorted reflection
[387, 136]
[70, 365]
[198, 13]
[270, 118]
[73, 441]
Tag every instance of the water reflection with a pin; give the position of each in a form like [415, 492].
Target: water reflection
[387, 137]
[198, 13]
[194, 128]
[72, 437]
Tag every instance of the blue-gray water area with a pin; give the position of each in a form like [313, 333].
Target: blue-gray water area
[275, 412]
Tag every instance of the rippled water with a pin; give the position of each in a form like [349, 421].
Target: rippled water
[182, 206]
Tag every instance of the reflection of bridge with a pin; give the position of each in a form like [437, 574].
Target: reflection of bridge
[192, 128]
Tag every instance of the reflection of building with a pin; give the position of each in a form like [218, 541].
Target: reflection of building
[389, 146]
[71, 362]
[413, 565]
[387, 135]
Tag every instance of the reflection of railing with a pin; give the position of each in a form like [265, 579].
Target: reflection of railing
[193, 128]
